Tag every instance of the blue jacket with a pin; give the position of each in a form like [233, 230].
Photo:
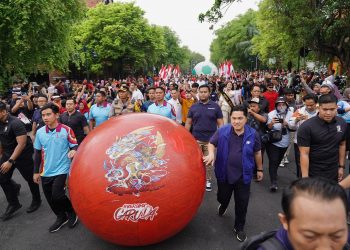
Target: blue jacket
[248, 161]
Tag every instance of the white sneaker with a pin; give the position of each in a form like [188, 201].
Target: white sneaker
[208, 186]
[286, 161]
[282, 164]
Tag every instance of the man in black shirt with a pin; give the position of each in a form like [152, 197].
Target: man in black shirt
[17, 153]
[263, 103]
[321, 142]
[75, 120]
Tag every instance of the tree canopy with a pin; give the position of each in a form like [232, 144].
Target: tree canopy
[36, 35]
[234, 41]
[284, 26]
[118, 34]
[117, 31]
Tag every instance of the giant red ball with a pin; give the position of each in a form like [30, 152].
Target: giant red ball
[137, 179]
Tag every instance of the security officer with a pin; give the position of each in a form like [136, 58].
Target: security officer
[123, 104]
[17, 153]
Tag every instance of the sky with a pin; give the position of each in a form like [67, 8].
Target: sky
[182, 17]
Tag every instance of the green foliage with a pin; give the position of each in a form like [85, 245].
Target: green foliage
[118, 31]
[216, 11]
[35, 35]
[234, 41]
[174, 53]
[287, 25]
[273, 40]
[190, 59]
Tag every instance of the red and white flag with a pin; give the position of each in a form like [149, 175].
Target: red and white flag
[162, 72]
[177, 71]
[169, 70]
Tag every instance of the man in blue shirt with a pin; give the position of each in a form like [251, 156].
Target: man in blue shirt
[57, 144]
[99, 112]
[204, 117]
[238, 149]
[160, 106]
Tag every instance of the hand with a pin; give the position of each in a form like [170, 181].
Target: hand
[5, 167]
[300, 117]
[341, 111]
[250, 111]
[340, 174]
[275, 120]
[36, 178]
[208, 159]
[259, 176]
[71, 154]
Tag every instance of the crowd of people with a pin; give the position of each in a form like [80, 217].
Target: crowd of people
[235, 121]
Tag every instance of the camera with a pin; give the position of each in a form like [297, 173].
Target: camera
[280, 120]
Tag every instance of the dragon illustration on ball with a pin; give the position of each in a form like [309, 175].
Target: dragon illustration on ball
[135, 162]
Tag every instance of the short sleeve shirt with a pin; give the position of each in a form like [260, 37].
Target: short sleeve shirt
[54, 146]
[9, 130]
[77, 122]
[186, 105]
[166, 109]
[323, 139]
[100, 113]
[204, 119]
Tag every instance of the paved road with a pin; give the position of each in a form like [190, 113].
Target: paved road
[206, 230]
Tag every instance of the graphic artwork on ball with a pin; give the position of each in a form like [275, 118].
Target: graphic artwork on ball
[135, 212]
[135, 162]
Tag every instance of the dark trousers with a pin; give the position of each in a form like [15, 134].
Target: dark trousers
[241, 196]
[25, 166]
[297, 159]
[275, 155]
[55, 193]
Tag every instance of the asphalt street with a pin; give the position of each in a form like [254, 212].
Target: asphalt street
[206, 231]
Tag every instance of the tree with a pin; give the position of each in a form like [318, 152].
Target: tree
[234, 41]
[216, 11]
[35, 35]
[287, 25]
[118, 34]
[273, 40]
[190, 59]
[322, 26]
[174, 53]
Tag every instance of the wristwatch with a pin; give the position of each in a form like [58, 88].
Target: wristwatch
[12, 161]
[343, 167]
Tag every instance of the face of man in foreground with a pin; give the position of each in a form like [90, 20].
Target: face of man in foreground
[316, 224]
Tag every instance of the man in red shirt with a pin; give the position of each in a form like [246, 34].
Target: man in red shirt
[271, 95]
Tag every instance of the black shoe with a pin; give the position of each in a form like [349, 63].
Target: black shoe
[11, 209]
[273, 188]
[240, 235]
[60, 222]
[33, 207]
[72, 219]
[18, 189]
[221, 210]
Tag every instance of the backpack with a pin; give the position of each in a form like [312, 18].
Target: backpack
[265, 240]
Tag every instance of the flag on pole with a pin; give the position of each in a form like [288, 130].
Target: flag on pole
[162, 72]
[176, 71]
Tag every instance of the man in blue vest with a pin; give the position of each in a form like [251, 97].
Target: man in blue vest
[238, 149]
